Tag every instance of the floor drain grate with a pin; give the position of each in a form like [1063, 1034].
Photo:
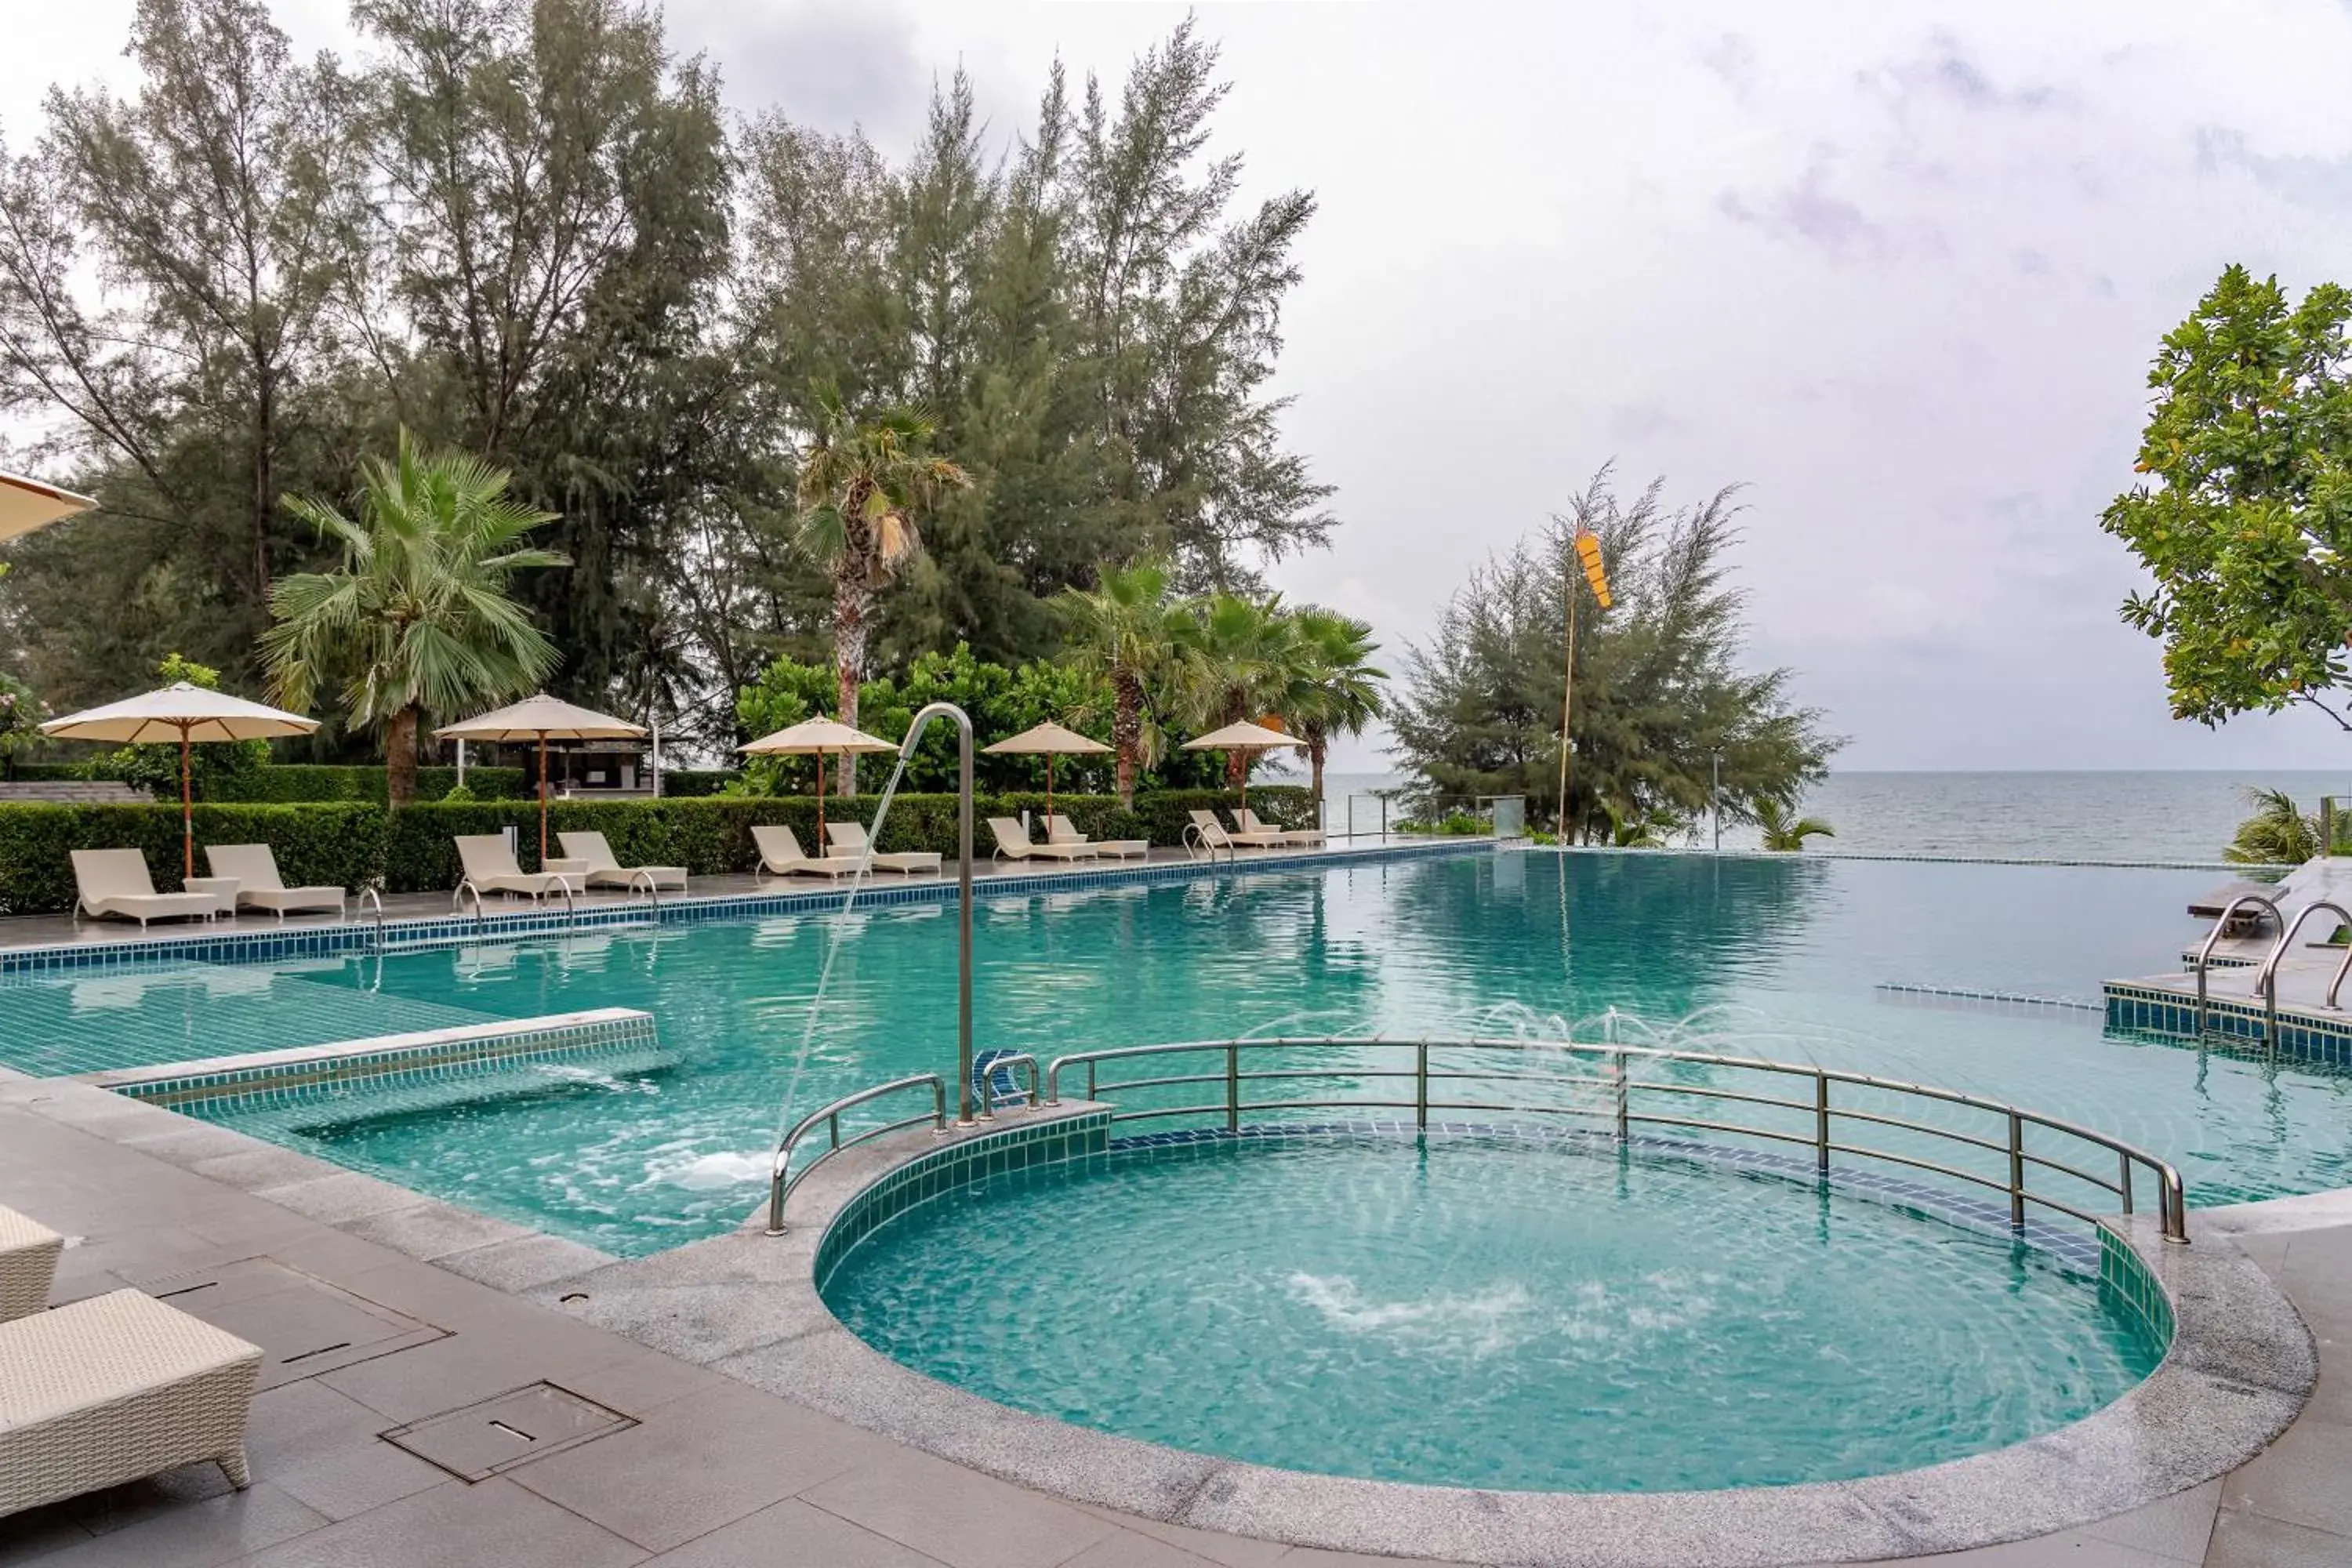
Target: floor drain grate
[479, 1441]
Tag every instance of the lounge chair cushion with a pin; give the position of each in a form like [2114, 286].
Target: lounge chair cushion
[115, 882]
[258, 884]
[604, 868]
[780, 853]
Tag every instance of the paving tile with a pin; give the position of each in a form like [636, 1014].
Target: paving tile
[2180, 1526]
[1227, 1550]
[522, 1262]
[958, 1516]
[699, 1463]
[300, 1421]
[197, 1534]
[2072, 1550]
[491, 1355]
[117, 1507]
[2249, 1541]
[1127, 1549]
[497, 1524]
[2299, 1478]
[36, 1532]
[344, 1196]
[250, 1170]
[432, 1231]
[790, 1534]
[354, 1479]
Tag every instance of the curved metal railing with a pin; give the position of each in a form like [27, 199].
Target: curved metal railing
[1006, 1062]
[372, 897]
[2212, 939]
[1462, 1078]
[783, 1178]
[2266, 977]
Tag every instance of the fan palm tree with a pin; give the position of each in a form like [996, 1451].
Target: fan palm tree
[2278, 834]
[861, 485]
[1243, 657]
[416, 620]
[1125, 631]
[1781, 833]
[1338, 689]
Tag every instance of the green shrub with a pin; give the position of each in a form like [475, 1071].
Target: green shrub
[290, 782]
[693, 784]
[316, 844]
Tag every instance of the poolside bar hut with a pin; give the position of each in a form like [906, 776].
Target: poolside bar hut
[190, 715]
[819, 737]
[1048, 741]
[1246, 738]
[540, 719]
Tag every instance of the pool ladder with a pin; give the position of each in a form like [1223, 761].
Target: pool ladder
[2266, 973]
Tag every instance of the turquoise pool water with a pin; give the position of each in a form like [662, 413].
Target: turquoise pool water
[1764, 957]
[1483, 1314]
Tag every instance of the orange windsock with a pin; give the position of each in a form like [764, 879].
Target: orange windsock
[1587, 551]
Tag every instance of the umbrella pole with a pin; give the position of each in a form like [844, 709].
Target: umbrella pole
[542, 800]
[820, 806]
[187, 813]
[1049, 795]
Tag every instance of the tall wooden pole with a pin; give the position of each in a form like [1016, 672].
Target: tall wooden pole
[187, 814]
[1566, 693]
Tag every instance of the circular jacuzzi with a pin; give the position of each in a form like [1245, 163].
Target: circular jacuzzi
[1480, 1309]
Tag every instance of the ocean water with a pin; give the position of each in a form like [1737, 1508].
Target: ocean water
[2187, 816]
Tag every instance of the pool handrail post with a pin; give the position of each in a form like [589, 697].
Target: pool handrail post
[2266, 978]
[1624, 1097]
[963, 887]
[1821, 1122]
[1420, 1086]
[1233, 1086]
[2205, 953]
[2016, 1171]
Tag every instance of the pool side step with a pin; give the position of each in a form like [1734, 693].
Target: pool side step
[1961, 996]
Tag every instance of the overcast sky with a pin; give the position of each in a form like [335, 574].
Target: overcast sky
[1902, 276]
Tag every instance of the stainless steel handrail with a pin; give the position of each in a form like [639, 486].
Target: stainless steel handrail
[571, 905]
[370, 895]
[1620, 1087]
[1009, 1061]
[784, 1179]
[2266, 977]
[2205, 953]
[457, 899]
[653, 888]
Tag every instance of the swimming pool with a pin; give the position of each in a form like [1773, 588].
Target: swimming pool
[1771, 957]
[1476, 1309]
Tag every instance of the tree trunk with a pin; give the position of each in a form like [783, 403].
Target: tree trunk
[264, 503]
[400, 758]
[1316, 746]
[849, 605]
[1127, 732]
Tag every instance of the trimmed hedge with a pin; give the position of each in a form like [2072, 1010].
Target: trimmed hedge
[348, 843]
[692, 784]
[316, 844]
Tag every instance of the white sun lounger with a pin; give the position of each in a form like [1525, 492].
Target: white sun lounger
[490, 867]
[781, 855]
[116, 1388]
[1014, 843]
[849, 838]
[604, 868]
[1060, 829]
[1247, 821]
[28, 1262]
[1214, 835]
[258, 884]
[115, 882]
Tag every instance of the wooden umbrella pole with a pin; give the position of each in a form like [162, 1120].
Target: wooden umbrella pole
[1049, 795]
[820, 806]
[542, 800]
[187, 814]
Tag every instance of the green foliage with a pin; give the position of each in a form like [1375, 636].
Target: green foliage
[1785, 832]
[213, 767]
[316, 845]
[460, 794]
[2247, 524]
[1454, 824]
[688, 783]
[21, 716]
[2278, 834]
[293, 781]
[1660, 690]
[418, 619]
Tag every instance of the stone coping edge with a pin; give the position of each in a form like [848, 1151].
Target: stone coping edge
[2239, 1369]
[258, 1064]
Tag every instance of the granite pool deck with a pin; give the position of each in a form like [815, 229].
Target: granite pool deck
[379, 1308]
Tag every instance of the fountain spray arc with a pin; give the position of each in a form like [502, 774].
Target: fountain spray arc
[963, 887]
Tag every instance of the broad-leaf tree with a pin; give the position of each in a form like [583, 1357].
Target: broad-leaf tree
[862, 483]
[2245, 520]
[419, 618]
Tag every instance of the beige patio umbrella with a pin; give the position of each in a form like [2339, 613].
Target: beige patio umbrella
[1246, 738]
[185, 714]
[27, 504]
[818, 737]
[540, 719]
[1048, 741]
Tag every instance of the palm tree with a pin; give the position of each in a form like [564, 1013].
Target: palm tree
[2278, 834]
[1243, 657]
[860, 487]
[1781, 834]
[416, 620]
[1338, 690]
[1125, 631]
[1643, 830]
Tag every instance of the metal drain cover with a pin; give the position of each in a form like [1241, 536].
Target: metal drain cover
[481, 1440]
[303, 1325]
